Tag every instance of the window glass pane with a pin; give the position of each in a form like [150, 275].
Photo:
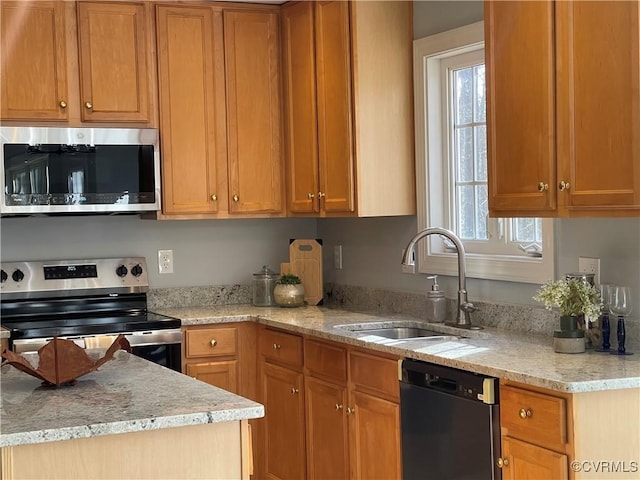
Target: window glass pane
[482, 211]
[466, 212]
[464, 154]
[524, 229]
[481, 153]
[463, 88]
[479, 94]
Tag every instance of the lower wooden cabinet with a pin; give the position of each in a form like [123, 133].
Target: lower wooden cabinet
[524, 460]
[221, 374]
[347, 422]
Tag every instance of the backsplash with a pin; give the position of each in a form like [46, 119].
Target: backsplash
[198, 296]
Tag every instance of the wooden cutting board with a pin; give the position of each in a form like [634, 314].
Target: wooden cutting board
[305, 261]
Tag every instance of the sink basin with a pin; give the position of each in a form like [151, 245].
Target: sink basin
[397, 331]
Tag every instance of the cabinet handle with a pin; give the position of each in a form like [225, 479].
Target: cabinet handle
[543, 186]
[338, 407]
[310, 196]
[213, 342]
[276, 346]
[294, 390]
[63, 104]
[89, 105]
[564, 186]
[321, 195]
[351, 410]
[502, 462]
[236, 198]
[214, 197]
[524, 414]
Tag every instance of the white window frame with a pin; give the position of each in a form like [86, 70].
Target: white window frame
[432, 257]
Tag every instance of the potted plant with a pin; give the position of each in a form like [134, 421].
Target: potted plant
[574, 298]
[289, 291]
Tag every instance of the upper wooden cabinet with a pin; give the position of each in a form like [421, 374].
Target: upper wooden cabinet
[563, 124]
[220, 111]
[348, 108]
[77, 62]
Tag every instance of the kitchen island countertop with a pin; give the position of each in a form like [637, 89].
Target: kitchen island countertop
[506, 354]
[127, 394]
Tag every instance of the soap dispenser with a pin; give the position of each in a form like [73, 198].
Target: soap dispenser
[436, 303]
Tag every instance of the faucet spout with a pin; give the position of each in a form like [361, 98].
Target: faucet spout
[463, 318]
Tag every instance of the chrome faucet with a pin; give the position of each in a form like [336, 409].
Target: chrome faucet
[463, 319]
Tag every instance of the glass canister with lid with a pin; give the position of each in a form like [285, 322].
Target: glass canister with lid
[264, 282]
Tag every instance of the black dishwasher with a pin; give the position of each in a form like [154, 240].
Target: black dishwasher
[450, 423]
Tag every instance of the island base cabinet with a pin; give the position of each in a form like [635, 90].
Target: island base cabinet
[211, 451]
[527, 461]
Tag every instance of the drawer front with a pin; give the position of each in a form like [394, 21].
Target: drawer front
[377, 374]
[281, 347]
[534, 417]
[325, 360]
[211, 342]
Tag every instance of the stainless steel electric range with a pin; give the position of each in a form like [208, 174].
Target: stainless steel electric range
[89, 302]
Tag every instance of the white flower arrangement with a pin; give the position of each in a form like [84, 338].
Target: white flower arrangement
[572, 296]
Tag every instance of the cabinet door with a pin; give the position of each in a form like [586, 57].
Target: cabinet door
[113, 53]
[300, 107]
[374, 428]
[254, 111]
[192, 109]
[328, 452]
[526, 461]
[34, 78]
[520, 69]
[335, 127]
[219, 374]
[599, 105]
[284, 437]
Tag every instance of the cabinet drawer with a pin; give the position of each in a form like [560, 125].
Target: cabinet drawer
[534, 417]
[375, 373]
[210, 342]
[281, 347]
[325, 360]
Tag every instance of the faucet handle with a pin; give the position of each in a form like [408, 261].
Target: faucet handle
[468, 307]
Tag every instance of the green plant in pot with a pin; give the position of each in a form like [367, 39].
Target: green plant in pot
[289, 291]
[573, 297]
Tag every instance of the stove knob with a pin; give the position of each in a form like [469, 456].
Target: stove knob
[121, 271]
[136, 271]
[17, 275]
[3, 276]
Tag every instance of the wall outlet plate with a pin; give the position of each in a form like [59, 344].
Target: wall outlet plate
[165, 261]
[590, 265]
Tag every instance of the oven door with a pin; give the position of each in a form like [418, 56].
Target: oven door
[163, 347]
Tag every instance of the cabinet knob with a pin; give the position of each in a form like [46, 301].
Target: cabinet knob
[213, 342]
[89, 105]
[214, 197]
[564, 186]
[338, 406]
[525, 413]
[294, 390]
[276, 346]
[310, 196]
[63, 104]
[543, 186]
[351, 410]
[321, 195]
[502, 462]
[236, 198]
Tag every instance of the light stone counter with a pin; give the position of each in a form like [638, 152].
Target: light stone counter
[4, 333]
[522, 357]
[127, 394]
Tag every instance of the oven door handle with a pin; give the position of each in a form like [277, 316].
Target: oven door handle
[154, 337]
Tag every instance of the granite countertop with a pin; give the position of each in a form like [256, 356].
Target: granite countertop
[522, 357]
[127, 394]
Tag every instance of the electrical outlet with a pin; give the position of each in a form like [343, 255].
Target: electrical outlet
[409, 268]
[337, 257]
[590, 265]
[165, 261]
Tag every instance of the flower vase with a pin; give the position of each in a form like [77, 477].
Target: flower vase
[570, 337]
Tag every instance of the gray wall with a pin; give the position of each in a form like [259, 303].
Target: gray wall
[434, 17]
[206, 252]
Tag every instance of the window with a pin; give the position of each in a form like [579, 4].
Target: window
[451, 166]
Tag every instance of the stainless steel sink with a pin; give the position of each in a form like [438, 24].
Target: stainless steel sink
[401, 330]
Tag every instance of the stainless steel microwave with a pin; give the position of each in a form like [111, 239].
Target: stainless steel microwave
[79, 170]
